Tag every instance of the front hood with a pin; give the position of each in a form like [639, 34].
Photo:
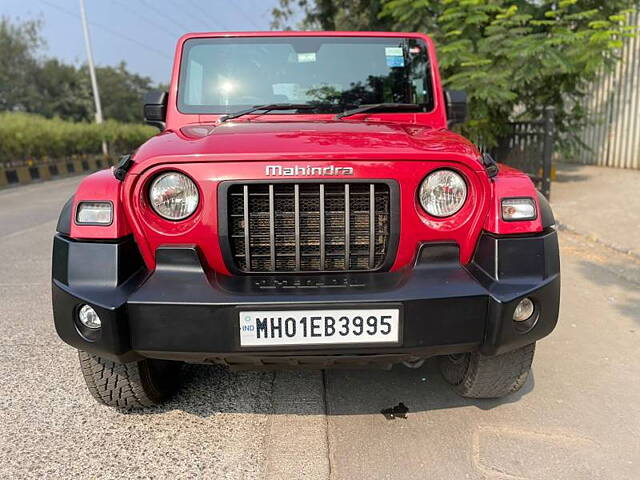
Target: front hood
[318, 140]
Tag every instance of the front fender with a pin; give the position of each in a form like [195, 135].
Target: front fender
[64, 220]
[101, 186]
[512, 183]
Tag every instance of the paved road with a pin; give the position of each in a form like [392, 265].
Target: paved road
[577, 417]
[583, 189]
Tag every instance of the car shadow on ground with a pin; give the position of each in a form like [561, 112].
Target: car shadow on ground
[625, 277]
[212, 390]
[567, 172]
[354, 392]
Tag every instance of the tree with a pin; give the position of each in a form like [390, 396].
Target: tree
[52, 88]
[332, 15]
[512, 57]
[121, 92]
[18, 44]
[61, 91]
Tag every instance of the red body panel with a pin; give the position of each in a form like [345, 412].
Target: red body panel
[510, 183]
[399, 147]
[100, 186]
[302, 141]
[416, 226]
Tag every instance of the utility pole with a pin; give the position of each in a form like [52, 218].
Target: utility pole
[92, 71]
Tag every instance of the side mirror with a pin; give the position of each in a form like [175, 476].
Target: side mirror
[456, 107]
[155, 108]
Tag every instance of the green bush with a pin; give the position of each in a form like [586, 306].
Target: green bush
[25, 136]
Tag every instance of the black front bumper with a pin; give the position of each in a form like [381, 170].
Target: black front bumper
[180, 312]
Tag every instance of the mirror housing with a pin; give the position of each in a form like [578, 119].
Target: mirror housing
[457, 110]
[155, 108]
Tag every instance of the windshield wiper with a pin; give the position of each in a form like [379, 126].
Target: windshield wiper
[380, 107]
[267, 108]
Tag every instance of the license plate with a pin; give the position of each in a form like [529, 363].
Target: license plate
[319, 327]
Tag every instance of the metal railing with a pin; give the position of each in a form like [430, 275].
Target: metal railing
[529, 147]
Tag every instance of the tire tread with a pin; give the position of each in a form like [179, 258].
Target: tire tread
[126, 386]
[490, 376]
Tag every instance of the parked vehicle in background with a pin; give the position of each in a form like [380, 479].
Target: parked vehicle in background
[304, 205]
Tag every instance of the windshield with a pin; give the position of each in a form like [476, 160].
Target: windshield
[223, 75]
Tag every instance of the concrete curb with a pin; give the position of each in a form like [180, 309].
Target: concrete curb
[30, 173]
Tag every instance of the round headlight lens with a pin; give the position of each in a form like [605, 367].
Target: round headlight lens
[173, 196]
[442, 193]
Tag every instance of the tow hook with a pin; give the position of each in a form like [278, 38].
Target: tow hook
[414, 363]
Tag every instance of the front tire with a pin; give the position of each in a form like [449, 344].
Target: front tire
[474, 375]
[129, 386]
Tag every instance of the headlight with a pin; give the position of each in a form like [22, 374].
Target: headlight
[173, 196]
[94, 213]
[514, 209]
[442, 193]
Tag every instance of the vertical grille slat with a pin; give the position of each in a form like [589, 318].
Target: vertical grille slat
[247, 237]
[322, 230]
[296, 206]
[372, 225]
[281, 227]
[347, 222]
[272, 228]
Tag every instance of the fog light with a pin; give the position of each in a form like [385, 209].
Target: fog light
[524, 310]
[89, 318]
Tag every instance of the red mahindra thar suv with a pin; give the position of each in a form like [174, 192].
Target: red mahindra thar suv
[304, 205]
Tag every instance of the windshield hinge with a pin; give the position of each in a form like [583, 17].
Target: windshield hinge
[123, 167]
[490, 165]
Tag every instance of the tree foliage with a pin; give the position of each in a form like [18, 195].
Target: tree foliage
[18, 46]
[122, 92]
[512, 57]
[60, 91]
[52, 88]
[332, 15]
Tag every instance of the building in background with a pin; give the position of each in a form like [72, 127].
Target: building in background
[613, 105]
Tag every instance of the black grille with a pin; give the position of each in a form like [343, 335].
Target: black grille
[309, 227]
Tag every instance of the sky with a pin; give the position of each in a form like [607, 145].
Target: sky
[143, 33]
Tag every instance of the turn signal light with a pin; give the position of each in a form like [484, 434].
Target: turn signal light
[94, 213]
[518, 209]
